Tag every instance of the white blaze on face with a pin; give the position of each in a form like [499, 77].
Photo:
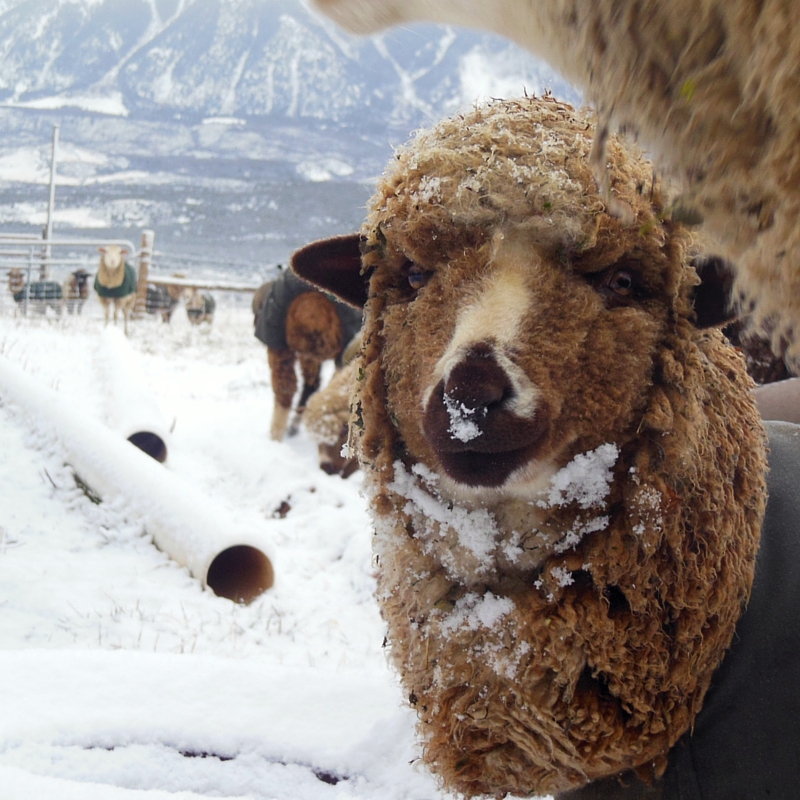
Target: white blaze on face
[112, 257]
[501, 302]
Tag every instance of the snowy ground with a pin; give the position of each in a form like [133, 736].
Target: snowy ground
[122, 678]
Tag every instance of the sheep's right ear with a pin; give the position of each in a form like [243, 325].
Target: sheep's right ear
[713, 298]
[334, 265]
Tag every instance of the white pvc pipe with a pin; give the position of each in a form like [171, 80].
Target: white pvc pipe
[184, 523]
[132, 410]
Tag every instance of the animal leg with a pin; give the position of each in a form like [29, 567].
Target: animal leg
[284, 385]
[309, 369]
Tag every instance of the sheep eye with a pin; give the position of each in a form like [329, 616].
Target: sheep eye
[621, 283]
[417, 278]
[415, 275]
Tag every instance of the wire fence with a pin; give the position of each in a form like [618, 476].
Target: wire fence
[53, 277]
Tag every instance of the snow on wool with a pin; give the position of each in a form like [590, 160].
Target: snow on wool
[476, 530]
[462, 423]
[586, 480]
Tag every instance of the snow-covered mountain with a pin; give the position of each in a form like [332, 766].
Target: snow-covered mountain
[246, 58]
[243, 127]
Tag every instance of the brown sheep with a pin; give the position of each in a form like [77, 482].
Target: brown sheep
[711, 86]
[76, 290]
[16, 281]
[200, 307]
[566, 471]
[164, 299]
[327, 417]
[300, 325]
[41, 295]
[115, 283]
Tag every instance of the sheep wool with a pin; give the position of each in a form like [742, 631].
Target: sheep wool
[562, 625]
[710, 86]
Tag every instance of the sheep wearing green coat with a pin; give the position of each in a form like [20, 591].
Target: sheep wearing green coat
[115, 283]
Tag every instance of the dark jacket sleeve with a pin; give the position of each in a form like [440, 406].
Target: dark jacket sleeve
[746, 739]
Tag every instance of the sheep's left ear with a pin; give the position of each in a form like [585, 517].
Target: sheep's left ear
[334, 265]
[713, 298]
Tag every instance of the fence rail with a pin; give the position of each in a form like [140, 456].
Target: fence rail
[37, 259]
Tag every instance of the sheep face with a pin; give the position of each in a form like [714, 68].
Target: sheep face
[540, 361]
[555, 306]
[16, 280]
[112, 257]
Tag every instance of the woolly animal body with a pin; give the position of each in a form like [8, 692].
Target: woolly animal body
[40, 294]
[326, 419]
[163, 300]
[712, 86]
[566, 474]
[301, 326]
[76, 290]
[200, 307]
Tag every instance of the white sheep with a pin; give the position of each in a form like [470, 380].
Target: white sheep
[115, 283]
[711, 86]
[565, 468]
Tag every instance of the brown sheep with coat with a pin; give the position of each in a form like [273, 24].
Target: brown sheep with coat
[76, 290]
[565, 467]
[300, 325]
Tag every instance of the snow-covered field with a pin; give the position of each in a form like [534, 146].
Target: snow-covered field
[122, 678]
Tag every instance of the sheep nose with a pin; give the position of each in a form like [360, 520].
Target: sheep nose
[467, 402]
[477, 384]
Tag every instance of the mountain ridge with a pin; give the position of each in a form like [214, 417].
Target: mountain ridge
[246, 58]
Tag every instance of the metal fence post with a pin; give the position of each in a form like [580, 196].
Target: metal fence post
[48, 231]
[28, 284]
[145, 257]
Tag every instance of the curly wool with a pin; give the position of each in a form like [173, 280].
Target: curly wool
[710, 86]
[547, 647]
[328, 410]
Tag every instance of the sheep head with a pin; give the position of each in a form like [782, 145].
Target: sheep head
[541, 309]
[561, 459]
[16, 280]
[112, 257]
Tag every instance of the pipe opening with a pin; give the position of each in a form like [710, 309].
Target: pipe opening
[150, 443]
[241, 573]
